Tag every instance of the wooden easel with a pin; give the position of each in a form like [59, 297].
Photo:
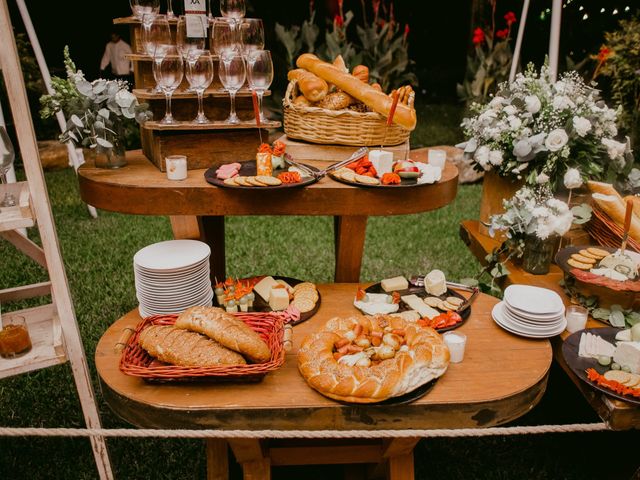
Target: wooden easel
[53, 328]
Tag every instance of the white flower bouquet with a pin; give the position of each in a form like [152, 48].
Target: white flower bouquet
[532, 212]
[537, 130]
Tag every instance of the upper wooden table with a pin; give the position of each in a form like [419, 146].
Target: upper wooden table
[617, 414]
[198, 208]
[501, 378]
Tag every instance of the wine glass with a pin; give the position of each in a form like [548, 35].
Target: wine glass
[233, 10]
[186, 43]
[260, 74]
[169, 71]
[232, 75]
[7, 156]
[142, 7]
[170, 13]
[251, 35]
[157, 32]
[225, 40]
[200, 75]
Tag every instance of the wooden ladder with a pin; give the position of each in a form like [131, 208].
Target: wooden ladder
[53, 328]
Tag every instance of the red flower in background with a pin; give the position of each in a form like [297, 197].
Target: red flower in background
[376, 7]
[406, 31]
[478, 36]
[502, 33]
[510, 17]
[340, 3]
[338, 21]
[604, 54]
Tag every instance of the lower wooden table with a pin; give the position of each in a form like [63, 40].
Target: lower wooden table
[198, 210]
[501, 378]
[617, 414]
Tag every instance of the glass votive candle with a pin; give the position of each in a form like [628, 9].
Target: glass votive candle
[176, 166]
[437, 158]
[456, 342]
[14, 337]
[576, 318]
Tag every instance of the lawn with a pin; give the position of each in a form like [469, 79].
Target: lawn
[98, 255]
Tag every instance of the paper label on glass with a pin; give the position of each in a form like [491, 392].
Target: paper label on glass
[195, 7]
[196, 26]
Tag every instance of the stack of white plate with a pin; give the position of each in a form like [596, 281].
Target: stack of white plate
[532, 312]
[172, 276]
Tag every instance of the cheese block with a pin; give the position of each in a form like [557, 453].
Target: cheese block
[279, 299]
[435, 283]
[394, 284]
[627, 354]
[417, 304]
[264, 286]
[382, 161]
[624, 335]
[594, 346]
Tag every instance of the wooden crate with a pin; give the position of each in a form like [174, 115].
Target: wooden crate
[204, 147]
[303, 151]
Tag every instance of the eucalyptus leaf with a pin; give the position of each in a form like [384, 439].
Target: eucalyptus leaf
[601, 313]
[76, 121]
[104, 143]
[616, 319]
[633, 318]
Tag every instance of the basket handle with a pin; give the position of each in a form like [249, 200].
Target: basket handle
[288, 96]
[123, 339]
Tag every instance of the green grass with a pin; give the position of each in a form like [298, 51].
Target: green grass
[98, 255]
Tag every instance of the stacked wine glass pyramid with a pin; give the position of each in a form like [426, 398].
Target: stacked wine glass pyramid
[532, 312]
[172, 276]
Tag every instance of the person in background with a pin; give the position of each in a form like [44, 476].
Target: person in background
[115, 54]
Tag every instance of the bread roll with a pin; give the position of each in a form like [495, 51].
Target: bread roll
[312, 87]
[377, 101]
[361, 72]
[302, 100]
[337, 101]
[227, 330]
[187, 349]
[610, 202]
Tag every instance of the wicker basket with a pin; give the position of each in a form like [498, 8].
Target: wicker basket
[606, 232]
[137, 362]
[338, 127]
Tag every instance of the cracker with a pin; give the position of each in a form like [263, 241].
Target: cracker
[269, 181]
[303, 285]
[254, 182]
[303, 304]
[433, 302]
[597, 252]
[585, 253]
[582, 259]
[310, 294]
[617, 376]
[580, 265]
[444, 306]
[634, 381]
[231, 182]
[367, 180]
[457, 301]
[348, 175]
[242, 181]
[449, 307]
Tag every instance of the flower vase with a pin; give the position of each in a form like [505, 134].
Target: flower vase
[113, 156]
[495, 189]
[538, 254]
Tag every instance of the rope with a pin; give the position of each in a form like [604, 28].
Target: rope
[436, 433]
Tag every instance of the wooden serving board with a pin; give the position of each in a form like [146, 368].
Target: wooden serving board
[248, 169]
[303, 151]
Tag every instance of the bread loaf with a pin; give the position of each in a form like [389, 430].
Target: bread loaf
[337, 101]
[227, 330]
[311, 86]
[636, 203]
[377, 101]
[302, 100]
[361, 72]
[610, 202]
[187, 349]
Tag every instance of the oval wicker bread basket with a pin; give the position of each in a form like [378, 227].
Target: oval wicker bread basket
[338, 127]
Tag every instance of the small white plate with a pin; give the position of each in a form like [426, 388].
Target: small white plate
[163, 276]
[502, 321]
[533, 300]
[172, 255]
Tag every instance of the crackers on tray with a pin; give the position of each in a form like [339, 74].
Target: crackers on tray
[305, 296]
[253, 181]
[587, 258]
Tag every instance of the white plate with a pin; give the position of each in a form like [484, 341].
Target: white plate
[535, 319]
[503, 322]
[533, 300]
[147, 310]
[167, 276]
[172, 255]
[173, 287]
[171, 299]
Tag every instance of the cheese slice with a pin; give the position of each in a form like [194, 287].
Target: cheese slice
[279, 299]
[264, 286]
[624, 335]
[394, 284]
[417, 304]
[435, 283]
[627, 354]
[594, 346]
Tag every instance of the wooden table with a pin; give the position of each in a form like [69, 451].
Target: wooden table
[617, 414]
[501, 378]
[198, 209]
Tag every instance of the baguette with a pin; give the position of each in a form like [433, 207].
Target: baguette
[611, 203]
[187, 349]
[377, 101]
[311, 86]
[227, 330]
[636, 203]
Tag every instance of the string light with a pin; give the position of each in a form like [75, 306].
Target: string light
[602, 10]
[585, 16]
[615, 11]
[627, 8]
[582, 8]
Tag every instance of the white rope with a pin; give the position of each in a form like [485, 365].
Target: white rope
[436, 433]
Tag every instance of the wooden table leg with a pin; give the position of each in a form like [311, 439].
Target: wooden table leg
[400, 467]
[185, 227]
[397, 459]
[250, 454]
[217, 459]
[212, 231]
[349, 233]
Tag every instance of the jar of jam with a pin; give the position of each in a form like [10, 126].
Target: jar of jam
[14, 338]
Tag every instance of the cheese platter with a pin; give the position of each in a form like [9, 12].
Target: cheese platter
[432, 304]
[607, 359]
[299, 299]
